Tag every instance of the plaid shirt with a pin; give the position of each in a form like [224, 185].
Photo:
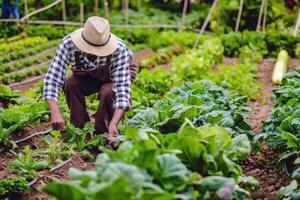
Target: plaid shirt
[119, 71]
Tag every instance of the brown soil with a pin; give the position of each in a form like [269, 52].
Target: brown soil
[262, 165]
[34, 142]
[142, 54]
[45, 175]
[60, 174]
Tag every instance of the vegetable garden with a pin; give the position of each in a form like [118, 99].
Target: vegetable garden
[219, 120]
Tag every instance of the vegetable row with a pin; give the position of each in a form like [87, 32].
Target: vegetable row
[23, 53]
[282, 129]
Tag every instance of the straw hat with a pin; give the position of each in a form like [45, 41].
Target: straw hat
[95, 38]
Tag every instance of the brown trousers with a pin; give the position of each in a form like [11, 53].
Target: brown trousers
[77, 88]
[82, 83]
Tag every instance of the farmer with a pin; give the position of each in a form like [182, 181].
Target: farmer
[9, 8]
[101, 63]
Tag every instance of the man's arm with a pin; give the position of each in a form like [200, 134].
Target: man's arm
[122, 88]
[53, 82]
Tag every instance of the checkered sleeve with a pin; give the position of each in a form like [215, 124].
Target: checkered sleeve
[55, 76]
[121, 78]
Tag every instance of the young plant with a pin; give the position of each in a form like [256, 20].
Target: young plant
[27, 163]
[238, 78]
[7, 94]
[78, 138]
[17, 116]
[56, 149]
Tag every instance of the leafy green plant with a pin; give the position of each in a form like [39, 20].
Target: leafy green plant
[205, 152]
[195, 64]
[113, 180]
[11, 39]
[170, 37]
[238, 78]
[79, 137]
[282, 129]
[27, 163]
[202, 102]
[269, 42]
[150, 86]
[251, 54]
[17, 116]
[7, 94]
[277, 41]
[56, 150]
[291, 191]
[13, 185]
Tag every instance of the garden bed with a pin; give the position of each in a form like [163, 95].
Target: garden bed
[261, 165]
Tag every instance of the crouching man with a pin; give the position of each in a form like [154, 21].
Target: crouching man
[101, 63]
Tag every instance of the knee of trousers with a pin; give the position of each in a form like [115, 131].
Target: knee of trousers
[106, 91]
[70, 84]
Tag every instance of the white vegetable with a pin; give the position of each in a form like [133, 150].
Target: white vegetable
[280, 67]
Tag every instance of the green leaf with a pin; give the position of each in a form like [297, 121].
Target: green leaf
[144, 119]
[296, 175]
[194, 153]
[40, 164]
[292, 140]
[286, 155]
[109, 170]
[116, 189]
[297, 161]
[63, 191]
[228, 167]
[144, 154]
[174, 122]
[288, 190]
[241, 146]
[213, 183]
[76, 174]
[170, 172]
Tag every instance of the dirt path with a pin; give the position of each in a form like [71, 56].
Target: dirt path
[262, 165]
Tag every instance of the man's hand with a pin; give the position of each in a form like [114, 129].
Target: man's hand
[112, 130]
[58, 122]
[113, 135]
